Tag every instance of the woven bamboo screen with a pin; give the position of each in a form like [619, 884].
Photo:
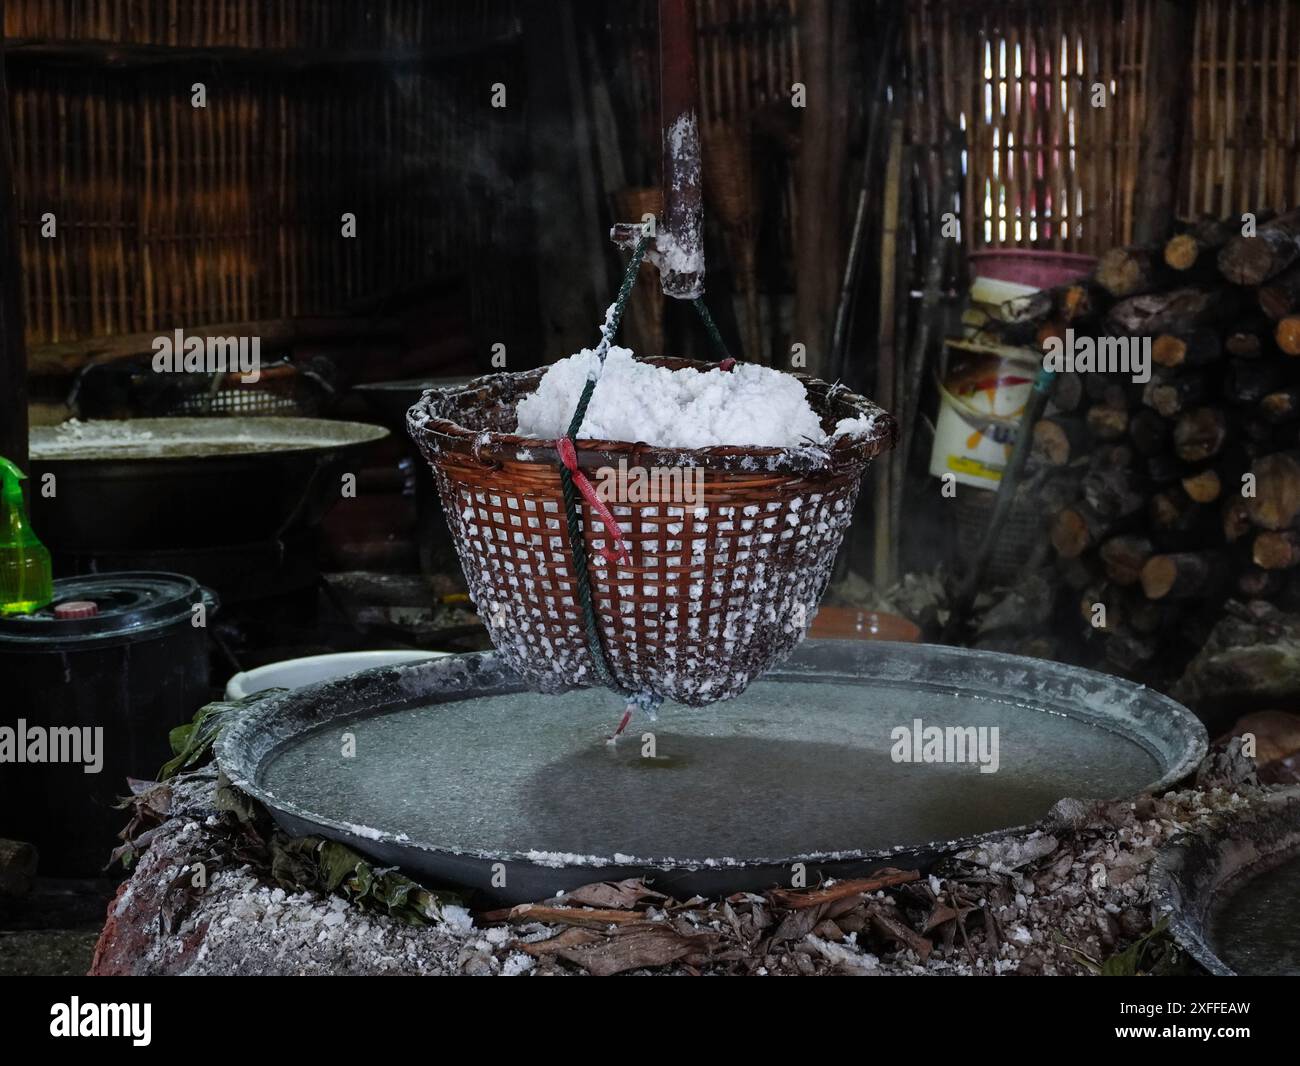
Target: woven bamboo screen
[748, 58]
[173, 216]
[1047, 169]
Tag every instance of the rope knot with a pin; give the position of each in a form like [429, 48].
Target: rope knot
[569, 457]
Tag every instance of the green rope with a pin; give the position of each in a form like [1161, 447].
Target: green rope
[711, 327]
[582, 578]
[576, 540]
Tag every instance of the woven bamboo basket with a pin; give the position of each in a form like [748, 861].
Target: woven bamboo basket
[721, 586]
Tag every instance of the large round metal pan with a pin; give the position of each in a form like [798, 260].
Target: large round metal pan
[188, 483]
[390, 400]
[1041, 703]
[1200, 871]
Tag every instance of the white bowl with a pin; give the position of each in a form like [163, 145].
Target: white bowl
[297, 673]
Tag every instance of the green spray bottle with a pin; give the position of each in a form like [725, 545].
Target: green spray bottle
[26, 581]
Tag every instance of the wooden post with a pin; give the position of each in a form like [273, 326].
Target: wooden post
[885, 560]
[824, 29]
[1156, 194]
[681, 238]
[13, 350]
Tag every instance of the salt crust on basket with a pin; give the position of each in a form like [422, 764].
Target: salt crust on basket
[720, 588]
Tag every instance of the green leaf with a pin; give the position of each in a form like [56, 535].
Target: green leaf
[327, 866]
[336, 863]
[179, 738]
[1141, 956]
[191, 743]
[229, 798]
[293, 862]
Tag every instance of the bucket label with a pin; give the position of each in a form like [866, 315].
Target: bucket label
[965, 464]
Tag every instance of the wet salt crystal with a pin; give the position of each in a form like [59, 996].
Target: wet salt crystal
[633, 401]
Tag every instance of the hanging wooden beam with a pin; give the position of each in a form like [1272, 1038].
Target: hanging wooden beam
[681, 238]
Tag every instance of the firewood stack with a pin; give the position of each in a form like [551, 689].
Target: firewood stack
[1161, 525]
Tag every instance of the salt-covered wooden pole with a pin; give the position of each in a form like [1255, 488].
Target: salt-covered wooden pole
[680, 240]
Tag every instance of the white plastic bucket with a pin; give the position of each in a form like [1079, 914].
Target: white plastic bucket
[297, 673]
[988, 297]
[980, 402]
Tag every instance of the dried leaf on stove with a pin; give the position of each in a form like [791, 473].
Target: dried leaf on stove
[828, 930]
[645, 944]
[591, 919]
[613, 894]
[812, 897]
[939, 914]
[900, 932]
[573, 936]
[798, 924]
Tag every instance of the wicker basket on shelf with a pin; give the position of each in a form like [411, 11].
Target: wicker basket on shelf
[719, 589]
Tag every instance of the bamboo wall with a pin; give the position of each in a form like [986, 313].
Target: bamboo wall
[171, 216]
[748, 59]
[1047, 169]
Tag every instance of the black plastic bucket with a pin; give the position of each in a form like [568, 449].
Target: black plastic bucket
[89, 695]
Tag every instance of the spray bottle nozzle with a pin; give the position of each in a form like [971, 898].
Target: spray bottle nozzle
[26, 583]
[11, 475]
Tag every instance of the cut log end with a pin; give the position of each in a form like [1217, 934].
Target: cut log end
[1200, 434]
[1168, 350]
[1181, 575]
[1276, 502]
[1107, 423]
[1181, 251]
[1125, 271]
[1277, 551]
[1071, 534]
[1287, 334]
[1057, 440]
[1205, 486]
[1246, 261]
[1158, 576]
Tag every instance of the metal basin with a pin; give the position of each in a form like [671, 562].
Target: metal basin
[187, 483]
[1230, 890]
[390, 400]
[460, 775]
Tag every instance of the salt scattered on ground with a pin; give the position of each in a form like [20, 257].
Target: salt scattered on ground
[749, 405]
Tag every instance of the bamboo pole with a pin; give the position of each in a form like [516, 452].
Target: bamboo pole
[885, 550]
[1160, 161]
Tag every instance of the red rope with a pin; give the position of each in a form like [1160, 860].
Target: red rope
[569, 457]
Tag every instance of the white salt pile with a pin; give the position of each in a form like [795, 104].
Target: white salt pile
[750, 405]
